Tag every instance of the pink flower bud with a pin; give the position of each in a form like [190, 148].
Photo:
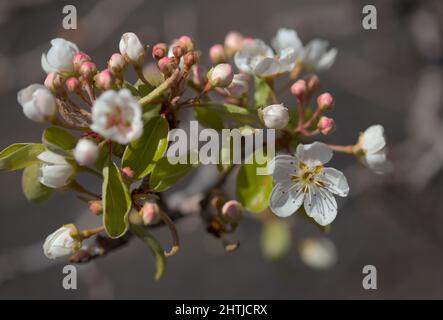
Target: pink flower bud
[221, 75]
[187, 41]
[54, 82]
[73, 85]
[159, 51]
[104, 80]
[166, 66]
[325, 101]
[179, 50]
[199, 77]
[149, 212]
[234, 42]
[128, 172]
[117, 64]
[78, 60]
[190, 59]
[88, 70]
[232, 211]
[96, 207]
[326, 125]
[298, 89]
[217, 53]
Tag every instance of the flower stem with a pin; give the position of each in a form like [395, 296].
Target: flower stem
[175, 239]
[85, 234]
[157, 92]
[345, 149]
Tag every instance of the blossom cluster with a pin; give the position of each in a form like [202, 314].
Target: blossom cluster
[105, 125]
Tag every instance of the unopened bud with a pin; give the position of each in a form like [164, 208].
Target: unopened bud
[159, 51]
[149, 212]
[179, 49]
[325, 101]
[54, 82]
[117, 64]
[73, 85]
[298, 89]
[86, 152]
[132, 49]
[217, 53]
[187, 41]
[166, 66]
[79, 59]
[326, 125]
[96, 207]
[128, 172]
[199, 77]
[190, 59]
[234, 42]
[275, 116]
[88, 70]
[221, 75]
[232, 211]
[104, 80]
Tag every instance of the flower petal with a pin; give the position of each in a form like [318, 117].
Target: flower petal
[327, 60]
[374, 139]
[51, 157]
[314, 154]
[265, 66]
[251, 55]
[287, 38]
[287, 59]
[286, 198]
[378, 162]
[335, 181]
[320, 204]
[281, 167]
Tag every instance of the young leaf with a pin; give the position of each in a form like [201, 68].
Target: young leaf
[209, 118]
[32, 188]
[116, 201]
[20, 155]
[262, 92]
[141, 154]
[165, 174]
[233, 112]
[153, 244]
[253, 190]
[57, 139]
[275, 239]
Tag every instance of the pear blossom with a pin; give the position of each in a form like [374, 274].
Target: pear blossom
[86, 152]
[132, 49]
[303, 180]
[315, 55]
[275, 116]
[37, 102]
[60, 56]
[373, 149]
[221, 75]
[55, 172]
[239, 85]
[257, 58]
[287, 38]
[117, 116]
[61, 243]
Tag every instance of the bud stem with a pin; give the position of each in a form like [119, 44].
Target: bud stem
[345, 149]
[85, 234]
[157, 92]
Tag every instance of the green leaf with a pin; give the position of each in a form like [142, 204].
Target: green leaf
[165, 174]
[262, 93]
[20, 155]
[143, 88]
[233, 112]
[154, 245]
[116, 201]
[150, 111]
[131, 88]
[57, 139]
[209, 118]
[253, 190]
[32, 188]
[142, 154]
[275, 239]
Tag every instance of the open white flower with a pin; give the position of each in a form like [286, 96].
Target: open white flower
[372, 144]
[315, 55]
[257, 58]
[38, 102]
[60, 56]
[117, 116]
[303, 180]
[60, 243]
[287, 38]
[55, 171]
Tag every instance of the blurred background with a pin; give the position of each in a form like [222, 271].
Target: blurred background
[392, 76]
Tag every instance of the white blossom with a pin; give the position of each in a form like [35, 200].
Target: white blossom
[55, 172]
[302, 179]
[60, 56]
[61, 243]
[316, 57]
[275, 116]
[374, 152]
[132, 49]
[117, 116]
[86, 152]
[38, 102]
[239, 85]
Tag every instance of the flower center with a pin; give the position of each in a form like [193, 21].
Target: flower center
[117, 119]
[308, 176]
